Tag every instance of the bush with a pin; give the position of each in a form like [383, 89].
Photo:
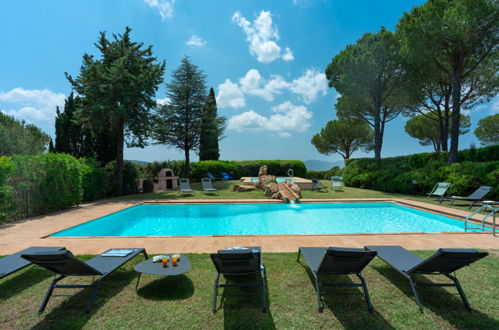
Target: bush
[54, 181]
[236, 169]
[130, 177]
[418, 173]
[94, 180]
[7, 167]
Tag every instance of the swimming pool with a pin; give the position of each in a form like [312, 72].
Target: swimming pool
[264, 219]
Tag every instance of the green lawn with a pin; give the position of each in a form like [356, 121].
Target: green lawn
[225, 192]
[184, 302]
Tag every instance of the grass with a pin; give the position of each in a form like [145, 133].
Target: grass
[225, 192]
[184, 302]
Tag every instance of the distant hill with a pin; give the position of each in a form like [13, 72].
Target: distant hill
[140, 162]
[321, 165]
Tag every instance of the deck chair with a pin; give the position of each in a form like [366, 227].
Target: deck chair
[185, 187]
[239, 263]
[439, 191]
[63, 263]
[476, 197]
[336, 183]
[211, 176]
[14, 262]
[337, 261]
[443, 262]
[316, 185]
[226, 176]
[207, 186]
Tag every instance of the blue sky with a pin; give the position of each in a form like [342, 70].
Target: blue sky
[265, 60]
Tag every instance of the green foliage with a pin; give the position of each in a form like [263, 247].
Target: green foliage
[325, 175]
[418, 173]
[343, 136]
[179, 122]
[19, 138]
[130, 176]
[54, 181]
[7, 167]
[458, 40]
[94, 180]
[237, 169]
[118, 91]
[369, 76]
[426, 128]
[212, 129]
[488, 130]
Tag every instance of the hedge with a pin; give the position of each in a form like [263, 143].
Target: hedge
[94, 180]
[325, 175]
[418, 173]
[236, 169]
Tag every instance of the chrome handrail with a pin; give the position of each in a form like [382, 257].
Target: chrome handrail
[492, 212]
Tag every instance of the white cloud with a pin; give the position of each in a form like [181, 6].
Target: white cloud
[163, 101]
[34, 106]
[262, 35]
[196, 41]
[311, 84]
[164, 7]
[286, 117]
[308, 87]
[229, 95]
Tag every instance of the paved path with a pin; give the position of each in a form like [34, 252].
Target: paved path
[34, 231]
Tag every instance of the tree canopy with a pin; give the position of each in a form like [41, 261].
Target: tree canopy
[118, 92]
[343, 136]
[458, 40]
[369, 76]
[488, 130]
[179, 121]
[427, 130]
[19, 138]
[212, 129]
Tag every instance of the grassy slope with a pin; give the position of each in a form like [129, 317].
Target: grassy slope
[185, 301]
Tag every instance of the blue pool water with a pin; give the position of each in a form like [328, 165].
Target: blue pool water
[264, 219]
[278, 179]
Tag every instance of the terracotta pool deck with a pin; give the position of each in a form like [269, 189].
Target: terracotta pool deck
[34, 231]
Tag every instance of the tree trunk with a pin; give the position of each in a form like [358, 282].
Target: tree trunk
[456, 110]
[442, 137]
[187, 163]
[377, 137]
[445, 128]
[120, 140]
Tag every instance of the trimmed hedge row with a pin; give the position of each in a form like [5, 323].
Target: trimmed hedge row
[236, 169]
[325, 175]
[418, 173]
[38, 184]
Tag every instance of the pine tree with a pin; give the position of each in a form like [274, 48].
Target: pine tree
[179, 121]
[212, 128]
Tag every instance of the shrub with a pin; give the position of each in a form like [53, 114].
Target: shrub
[94, 180]
[130, 176]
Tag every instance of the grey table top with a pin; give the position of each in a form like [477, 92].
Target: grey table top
[156, 268]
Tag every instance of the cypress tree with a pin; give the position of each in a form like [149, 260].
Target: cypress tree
[212, 128]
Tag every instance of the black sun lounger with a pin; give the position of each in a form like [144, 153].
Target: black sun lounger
[443, 262]
[237, 263]
[63, 263]
[476, 197]
[337, 261]
[14, 262]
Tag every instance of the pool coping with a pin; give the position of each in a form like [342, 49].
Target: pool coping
[402, 202]
[24, 233]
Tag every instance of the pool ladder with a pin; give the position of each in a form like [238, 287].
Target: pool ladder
[482, 227]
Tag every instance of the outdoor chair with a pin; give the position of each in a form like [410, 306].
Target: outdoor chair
[63, 263]
[14, 262]
[316, 185]
[476, 197]
[443, 262]
[439, 191]
[207, 186]
[211, 176]
[226, 176]
[336, 183]
[337, 261]
[239, 263]
[185, 187]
